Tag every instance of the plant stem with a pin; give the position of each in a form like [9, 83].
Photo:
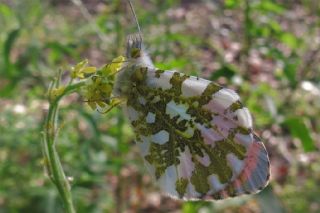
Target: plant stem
[57, 175]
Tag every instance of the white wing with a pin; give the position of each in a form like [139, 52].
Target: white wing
[196, 137]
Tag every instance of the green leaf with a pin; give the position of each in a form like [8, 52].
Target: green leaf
[178, 63]
[227, 70]
[5, 11]
[274, 26]
[290, 69]
[290, 40]
[58, 50]
[231, 3]
[8, 45]
[194, 206]
[269, 6]
[299, 130]
[7, 18]
[272, 7]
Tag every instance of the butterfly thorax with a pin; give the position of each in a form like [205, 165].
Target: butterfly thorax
[136, 59]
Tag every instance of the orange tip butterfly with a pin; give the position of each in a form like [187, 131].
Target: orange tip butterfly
[195, 136]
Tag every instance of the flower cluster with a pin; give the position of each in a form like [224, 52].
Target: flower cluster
[99, 83]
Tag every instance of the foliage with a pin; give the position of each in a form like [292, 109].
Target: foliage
[267, 50]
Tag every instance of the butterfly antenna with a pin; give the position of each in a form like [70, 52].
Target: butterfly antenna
[136, 19]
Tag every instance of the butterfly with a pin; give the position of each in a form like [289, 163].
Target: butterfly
[195, 136]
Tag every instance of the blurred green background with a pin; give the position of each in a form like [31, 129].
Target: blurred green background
[268, 50]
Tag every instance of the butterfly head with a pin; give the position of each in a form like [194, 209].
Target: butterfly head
[134, 46]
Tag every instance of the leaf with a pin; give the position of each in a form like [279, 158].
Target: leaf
[273, 7]
[269, 6]
[58, 51]
[194, 206]
[290, 40]
[178, 63]
[274, 26]
[189, 207]
[231, 3]
[227, 70]
[299, 130]
[5, 13]
[8, 45]
[290, 69]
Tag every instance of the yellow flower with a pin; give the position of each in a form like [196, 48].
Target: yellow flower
[113, 67]
[81, 69]
[98, 91]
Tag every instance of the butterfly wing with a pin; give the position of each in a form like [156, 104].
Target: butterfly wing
[196, 137]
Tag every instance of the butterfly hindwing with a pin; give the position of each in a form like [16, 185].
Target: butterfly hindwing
[195, 136]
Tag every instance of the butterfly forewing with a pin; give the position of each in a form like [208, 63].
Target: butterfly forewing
[194, 135]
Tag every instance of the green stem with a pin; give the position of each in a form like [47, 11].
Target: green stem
[58, 176]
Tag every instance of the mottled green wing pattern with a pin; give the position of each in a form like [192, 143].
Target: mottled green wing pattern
[196, 137]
